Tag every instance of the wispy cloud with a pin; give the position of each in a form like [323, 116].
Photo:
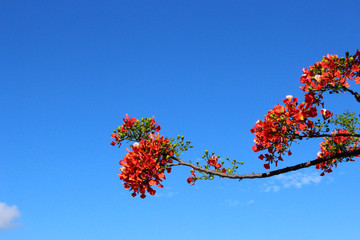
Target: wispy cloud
[7, 215]
[296, 180]
[235, 203]
[232, 203]
[166, 192]
[250, 202]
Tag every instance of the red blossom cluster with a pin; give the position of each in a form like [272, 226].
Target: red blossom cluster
[326, 113]
[332, 145]
[145, 165]
[191, 180]
[332, 73]
[129, 124]
[281, 126]
[212, 161]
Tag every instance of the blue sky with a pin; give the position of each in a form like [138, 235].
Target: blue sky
[208, 70]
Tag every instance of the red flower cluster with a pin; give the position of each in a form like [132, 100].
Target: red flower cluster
[331, 73]
[213, 162]
[128, 125]
[332, 145]
[281, 126]
[326, 113]
[155, 126]
[193, 178]
[284, 124]
[145, 165]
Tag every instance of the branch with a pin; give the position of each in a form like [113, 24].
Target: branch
[356, 95]
[272, 173]
[329, 135]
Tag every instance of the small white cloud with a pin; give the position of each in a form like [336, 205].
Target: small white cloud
[165, 192]
[250, 202]
[296, 180]
[232, 203]
[7, 215]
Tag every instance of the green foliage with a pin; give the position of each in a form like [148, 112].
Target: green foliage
[347, 120]
[179, 146]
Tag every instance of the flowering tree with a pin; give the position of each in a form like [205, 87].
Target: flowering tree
[151, 154]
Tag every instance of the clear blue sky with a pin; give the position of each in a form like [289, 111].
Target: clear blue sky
[71, 70]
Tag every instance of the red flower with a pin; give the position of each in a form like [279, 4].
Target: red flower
[281, 125]
[128, 123]
[193, 178]
[332, 145]
[156, 127]
[116, 138]
[325, 113]
[145, 165]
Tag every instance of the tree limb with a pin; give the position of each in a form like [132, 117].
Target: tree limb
[272, 173]
[356, 95]
[330, 135]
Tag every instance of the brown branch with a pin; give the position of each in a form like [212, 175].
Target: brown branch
[356, 95]
[272, 173]
[329, 135]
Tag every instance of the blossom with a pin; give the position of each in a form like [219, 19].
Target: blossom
[331, 73]
[191, 180]
[325, 113]
[156, 127]
[289, 97]
[145, 165]
[280, 127]
[128, 123]
[116, 138]
[332, 145]
[213, 162]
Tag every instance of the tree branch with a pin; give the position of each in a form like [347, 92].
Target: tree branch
[356, 95]
[272, 173]
[329, 135]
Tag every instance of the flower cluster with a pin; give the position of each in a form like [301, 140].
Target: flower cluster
[145, 165]
[335, 144]
[213, 161]
[326, 113]
[284, 124]
[281, 126]
[212, 166]
[133, 128]
[191, 180]
[331, 73]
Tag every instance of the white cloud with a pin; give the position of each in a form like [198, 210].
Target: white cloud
[7, 215]
[296, 180]
[232, 203]
[165, 192]
[250, 202]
